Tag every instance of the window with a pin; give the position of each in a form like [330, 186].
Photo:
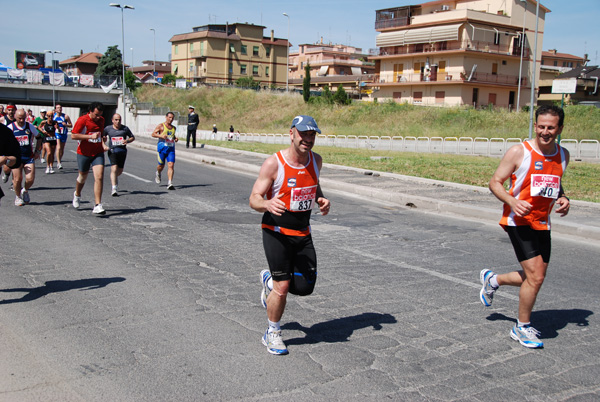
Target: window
[494, 68]
[398, 71]
[255, 51]
[244, 49]
[175, 68]
[243, 69]
[230, 68]
[475, 96]
[440, 96]
[268, 49]
[201, 48]
[255, 71]
[397, 96]
[492, 99]
[418, 97]
[176, 49]
[231, 48]
[191, 47]
[417, 68]
[555, 63]
[442, 66]
[267, 71]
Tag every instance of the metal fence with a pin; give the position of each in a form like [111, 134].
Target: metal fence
[493, 147]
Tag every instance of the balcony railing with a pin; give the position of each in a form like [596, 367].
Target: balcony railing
[467, 45]
[392, 23]
[410, 78]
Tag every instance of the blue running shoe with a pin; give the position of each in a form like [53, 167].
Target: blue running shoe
[527, 336]
[486, 294]
[265, 275]
[274, 343]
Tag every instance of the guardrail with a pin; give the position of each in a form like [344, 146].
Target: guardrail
[493, 147]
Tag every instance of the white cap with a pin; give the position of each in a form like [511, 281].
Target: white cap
[43, 110]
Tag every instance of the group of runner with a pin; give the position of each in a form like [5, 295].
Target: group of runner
[287, 189]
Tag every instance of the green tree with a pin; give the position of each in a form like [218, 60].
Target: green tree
[168, 79]
[341, 97]
[306, 83]
[131, 82]
[111, 63]
[247, 82]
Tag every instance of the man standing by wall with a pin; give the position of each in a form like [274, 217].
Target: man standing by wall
[535, 169]
[193, 121]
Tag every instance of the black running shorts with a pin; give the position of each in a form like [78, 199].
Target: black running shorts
[529, 243]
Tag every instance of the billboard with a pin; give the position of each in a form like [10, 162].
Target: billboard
[29, 60]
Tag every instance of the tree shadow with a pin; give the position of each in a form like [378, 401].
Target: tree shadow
[549, 322]
[339, 329]
[58, 286]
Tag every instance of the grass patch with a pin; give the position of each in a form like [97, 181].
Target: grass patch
[471, 170]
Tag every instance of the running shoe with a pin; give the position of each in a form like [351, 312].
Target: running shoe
[527, 336]
[51, 170]
[274, 343]
[4, 177]
[170, 186]
[265, 275]
[19, 201]
[486, 294]
[43, 161]
[157, 178]
[114, 191]
[76, 201]
[98, 210]
[25, 196]
[48, 170]
[60, 166]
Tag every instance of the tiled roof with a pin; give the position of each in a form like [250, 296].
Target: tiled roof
[90, 58]
[561, 55]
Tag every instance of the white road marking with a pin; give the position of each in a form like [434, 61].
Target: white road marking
[129, 174]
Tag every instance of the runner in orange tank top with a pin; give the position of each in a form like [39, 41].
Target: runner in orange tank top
[286, 190]
[535, 169]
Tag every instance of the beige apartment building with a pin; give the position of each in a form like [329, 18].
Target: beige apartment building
[331, 65]
[458, 52]
[220, 54]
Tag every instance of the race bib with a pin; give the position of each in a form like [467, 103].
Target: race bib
[170, 142]
[118, 141]
[50, 138]
[545, 185]
[23, 140]
[302, 198]
[95, 140]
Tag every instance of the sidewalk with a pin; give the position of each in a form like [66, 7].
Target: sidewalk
[428, 195]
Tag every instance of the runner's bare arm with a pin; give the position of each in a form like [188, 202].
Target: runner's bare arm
[509, 163]
[157, 133]
[266, 176]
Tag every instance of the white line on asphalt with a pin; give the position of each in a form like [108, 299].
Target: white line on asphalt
[428, 271]
[129, 174]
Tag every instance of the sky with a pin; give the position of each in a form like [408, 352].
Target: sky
[73, 26]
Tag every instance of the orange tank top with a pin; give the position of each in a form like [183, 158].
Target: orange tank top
[537, 181]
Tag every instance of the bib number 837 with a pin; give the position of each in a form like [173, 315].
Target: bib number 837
[304, 205]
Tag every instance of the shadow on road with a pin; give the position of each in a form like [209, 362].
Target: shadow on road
[549, 322]
[58, 286]
[338, 330]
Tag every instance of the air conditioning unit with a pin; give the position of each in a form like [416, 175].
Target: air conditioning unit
[445, 7]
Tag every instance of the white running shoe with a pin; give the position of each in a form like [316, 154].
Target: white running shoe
[43, 161]
[48, 170]
[51, 170]
[25, 196]
[170, 186]
[157, 178]
[4, 177]
[60, 166]
[19, 201]
[76, 201]
[274, 343]
[98, 210]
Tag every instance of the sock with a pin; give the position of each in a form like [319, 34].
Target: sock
[494, 281]
[270, 283]
[274, 326]
[170, 182]
[523, 324]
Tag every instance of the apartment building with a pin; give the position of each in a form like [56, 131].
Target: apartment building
[84, 63]
[458, 52]
[555, 59]
[220, 54]
[331, 65]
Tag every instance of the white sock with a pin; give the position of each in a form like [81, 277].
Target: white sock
[523, 324]
[274, 326]
[494, 281]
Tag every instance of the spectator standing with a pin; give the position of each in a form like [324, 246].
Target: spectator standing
[193, 121]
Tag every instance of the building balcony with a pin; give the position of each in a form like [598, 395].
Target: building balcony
[197, 54]
[197, 72]
[466, 45]
[410, 78]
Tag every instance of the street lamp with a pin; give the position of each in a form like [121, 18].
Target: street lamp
[535, 43]
[131, 59]
[154, 60]
[521, 61]
[52, 76]
[123, 7]
[287, 69]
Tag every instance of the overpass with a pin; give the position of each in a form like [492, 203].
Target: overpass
[34, 94]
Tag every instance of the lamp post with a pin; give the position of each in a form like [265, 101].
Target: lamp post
[131, 59]
[123, 7]
[52, 76]
[287, 68]
[537, 16]
[521, 61]
[154, 60]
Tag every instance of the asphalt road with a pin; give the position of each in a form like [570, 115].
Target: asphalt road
[159, 300]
